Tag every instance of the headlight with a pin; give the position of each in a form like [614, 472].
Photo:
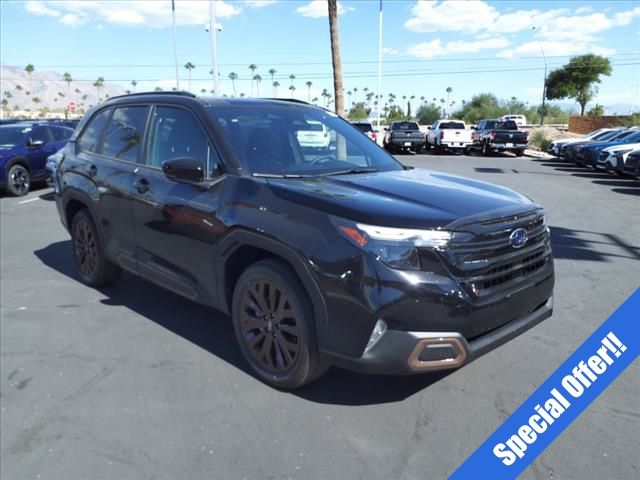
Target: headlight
[395, 247]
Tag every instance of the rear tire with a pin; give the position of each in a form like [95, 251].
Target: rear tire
[486, 151]
[274, 326]
[18, 180]
[88, 253]
[519, 152]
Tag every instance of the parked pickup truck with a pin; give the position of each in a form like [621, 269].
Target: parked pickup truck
[449, 134]
[496, 136]
[403, 136]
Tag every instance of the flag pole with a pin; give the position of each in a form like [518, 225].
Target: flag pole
[175, 43]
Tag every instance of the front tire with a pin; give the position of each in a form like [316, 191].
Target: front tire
[93, 267]
[18, 180]
[274, 326]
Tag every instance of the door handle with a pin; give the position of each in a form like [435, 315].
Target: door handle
[92, 170]
[141, 185]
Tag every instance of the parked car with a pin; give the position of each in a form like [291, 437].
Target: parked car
[367, 129]
[556, 146]
[496, 136]
[632, 164]
[570, 151]
[450, 135]
[520, 120]
[313, 135]
[339, 257]
[613, 158]
[588, 154]
[24, 148]
[403, 136]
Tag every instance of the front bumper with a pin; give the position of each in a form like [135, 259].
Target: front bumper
[400, 352]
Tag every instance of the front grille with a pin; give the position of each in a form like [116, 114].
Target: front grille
[485, 263]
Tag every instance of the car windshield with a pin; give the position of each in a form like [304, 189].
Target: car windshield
[296, 140]
[622, 135]
[10, 136]
[452, 126]
[508, 125]
[404, 126]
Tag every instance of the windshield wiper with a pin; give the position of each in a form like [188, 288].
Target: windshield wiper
[278, 175]
[350, 171]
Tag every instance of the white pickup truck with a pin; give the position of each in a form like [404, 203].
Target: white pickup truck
[449, 134]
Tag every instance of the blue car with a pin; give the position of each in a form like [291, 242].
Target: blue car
[589, 154]
[24, 148]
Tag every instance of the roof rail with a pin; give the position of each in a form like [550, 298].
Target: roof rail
[181, 92]
[291, 100]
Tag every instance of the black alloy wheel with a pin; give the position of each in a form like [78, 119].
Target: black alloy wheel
[274, 325]
[19, 180]
[269, 326]
[94, 269]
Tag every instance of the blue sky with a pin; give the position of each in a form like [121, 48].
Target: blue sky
[471, 46]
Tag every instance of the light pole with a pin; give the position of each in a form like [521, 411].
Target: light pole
[175, 42]
[379, 65]
[213, 30]
[544, 85]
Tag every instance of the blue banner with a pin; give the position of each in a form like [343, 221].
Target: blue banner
[560, 399]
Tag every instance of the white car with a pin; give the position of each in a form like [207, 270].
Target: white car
[520, 120]
[613, 158]
[556, 146]
[449, 134]
[314, 135]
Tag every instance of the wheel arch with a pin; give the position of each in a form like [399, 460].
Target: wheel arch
[242, 248]
[24, 161]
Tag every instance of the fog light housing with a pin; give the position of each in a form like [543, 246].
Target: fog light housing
[376, 334]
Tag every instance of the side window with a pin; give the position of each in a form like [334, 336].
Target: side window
[41, 133]
[124, 134]
[175, 133]
[89, 139]
[60, 134]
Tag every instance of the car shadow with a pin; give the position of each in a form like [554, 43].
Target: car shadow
[212, 331]
[587, 245]
[627, 191]
[622, 182]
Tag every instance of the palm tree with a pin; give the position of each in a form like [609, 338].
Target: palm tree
[315, 100]
[99, 83]
[133, 84]
[349, 93]
[336, 61]
[449, 90]
[158, 89]
[203, 91]
[324, 95]
[189, 66]
[293, 89]
[292, 77]
[67, 78]
[276, 84]
[19, 87]
[272, 72]
[308, 84]
[253, 67]
[443, 101]
[422, 99]
[355, 94]
[29, 69]
[257, 79]
[233, 76]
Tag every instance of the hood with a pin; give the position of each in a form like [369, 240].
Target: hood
[622, 146]
[407, 198]
[602, 145]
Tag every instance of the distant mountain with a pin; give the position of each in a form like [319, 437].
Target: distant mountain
[47, 86]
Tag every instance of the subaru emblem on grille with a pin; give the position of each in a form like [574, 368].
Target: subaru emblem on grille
[518, 238]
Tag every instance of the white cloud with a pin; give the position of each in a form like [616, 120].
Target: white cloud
[259, 3]
[436, 48]
[319, 9]
[430, 16]
[150, 13]
[38, 7]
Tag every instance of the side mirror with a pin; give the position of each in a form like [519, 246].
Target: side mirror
[386, 129]
[185, 169]
[35, 143]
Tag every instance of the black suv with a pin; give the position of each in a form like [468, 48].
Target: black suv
[334, 257]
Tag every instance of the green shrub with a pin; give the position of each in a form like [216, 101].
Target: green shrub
[539, 141]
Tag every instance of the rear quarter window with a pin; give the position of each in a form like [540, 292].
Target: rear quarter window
[89, 139]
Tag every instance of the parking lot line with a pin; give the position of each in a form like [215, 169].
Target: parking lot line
[28, 201]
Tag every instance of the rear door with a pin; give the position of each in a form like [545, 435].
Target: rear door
[176, 222]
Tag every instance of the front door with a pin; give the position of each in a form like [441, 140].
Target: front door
[176, 222]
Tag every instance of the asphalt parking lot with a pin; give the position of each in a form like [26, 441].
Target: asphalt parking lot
[133, 382]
